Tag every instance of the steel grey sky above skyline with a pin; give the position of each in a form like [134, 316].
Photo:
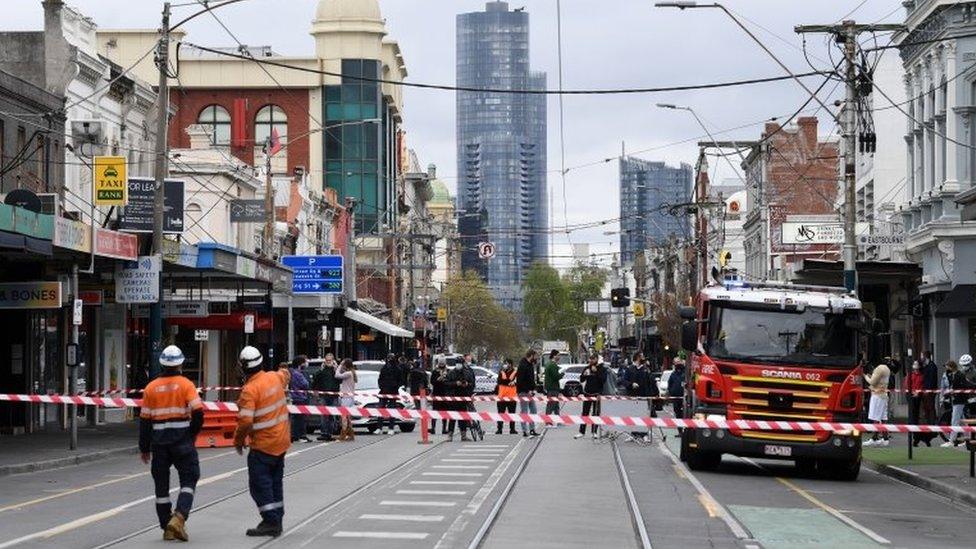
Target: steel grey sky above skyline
[606, 43]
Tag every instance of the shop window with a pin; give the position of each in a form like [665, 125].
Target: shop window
[217, 120]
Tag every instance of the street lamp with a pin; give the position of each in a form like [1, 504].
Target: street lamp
[704, 127]
[689, 4]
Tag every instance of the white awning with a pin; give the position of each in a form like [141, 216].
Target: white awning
[377, 323]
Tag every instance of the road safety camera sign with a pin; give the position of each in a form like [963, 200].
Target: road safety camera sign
[110, 183]
[138, 281]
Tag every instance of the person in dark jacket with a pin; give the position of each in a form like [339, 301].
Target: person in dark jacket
[525, 387]
[460, 382]
[676, 388]
[438, 378]
[640, 384]
[298, 391]
[417, 378]
[593, 378]
[405, 366]
[550, 382]
[326, 382]
[959, 385]
[390, 381]
[930, 384]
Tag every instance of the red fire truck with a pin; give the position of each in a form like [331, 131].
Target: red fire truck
[771, 351]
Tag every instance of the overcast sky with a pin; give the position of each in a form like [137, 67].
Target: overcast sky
[606, 44]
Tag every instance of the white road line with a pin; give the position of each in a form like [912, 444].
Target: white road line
[405, 518]
[449, 475]
[506, 447]
[449, 460]
[409, 503]
[431, 492]
[443, 482]
[460, 467]
[381, 535]
[737, 529]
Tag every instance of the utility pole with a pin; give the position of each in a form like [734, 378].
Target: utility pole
[268, 202]
[162, 170]
[846, 33]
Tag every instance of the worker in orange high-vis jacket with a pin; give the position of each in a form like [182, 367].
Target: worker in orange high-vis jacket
[170, 418]
[263, 417]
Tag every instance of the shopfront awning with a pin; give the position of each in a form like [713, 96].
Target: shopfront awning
[960, 302]
[377, 324]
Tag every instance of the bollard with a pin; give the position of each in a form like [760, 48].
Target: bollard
[424, 434]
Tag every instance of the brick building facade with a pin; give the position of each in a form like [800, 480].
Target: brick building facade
[791, 174]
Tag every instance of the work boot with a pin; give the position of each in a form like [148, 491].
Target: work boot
[176, 528]
[464, 437]
[265, 529]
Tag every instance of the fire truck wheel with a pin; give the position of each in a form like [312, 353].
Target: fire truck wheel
[703, 461]
[840, 470]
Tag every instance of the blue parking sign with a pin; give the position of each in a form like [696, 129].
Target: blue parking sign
[315, 274]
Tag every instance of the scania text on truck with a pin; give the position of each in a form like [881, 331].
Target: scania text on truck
[774, 352]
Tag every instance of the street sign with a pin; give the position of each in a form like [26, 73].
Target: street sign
[337, 334]
[828, 232]
[441, 314]
[109, 179]
[597, 307]
[486, 250]
[30, 295]
[76, 316]
[639, 311]
[138, 281]
[315, 274]
[881, 239]
[248, 324]
[248, 211]
[137, 217]
[201, 335]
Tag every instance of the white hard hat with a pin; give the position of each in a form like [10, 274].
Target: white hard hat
[965, 360]
[250, 358]
[171, 356]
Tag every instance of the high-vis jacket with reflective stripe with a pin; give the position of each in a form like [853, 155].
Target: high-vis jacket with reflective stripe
[168, 403]
[263, 413]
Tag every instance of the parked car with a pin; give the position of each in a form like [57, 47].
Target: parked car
[570, 384]
[367, 387]
[485, 381]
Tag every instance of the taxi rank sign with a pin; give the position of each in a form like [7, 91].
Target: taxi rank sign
[315, 274]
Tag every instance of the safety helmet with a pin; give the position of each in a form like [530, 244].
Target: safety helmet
[171, 357]
[250, 358]
[965, 361]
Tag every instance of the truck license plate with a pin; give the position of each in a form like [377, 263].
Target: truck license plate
[771, 450]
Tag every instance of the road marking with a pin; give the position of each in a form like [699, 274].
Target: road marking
[409, 503]
[679, 472]
[453, 474]
[70, 491]
[460, 467]
[709, 506]
[504, 446]
[449, 460]
[405, 518]
[96, 517]
[733, 524]
[431, 492]
[381, 535]
[834, 512]
[444, 482]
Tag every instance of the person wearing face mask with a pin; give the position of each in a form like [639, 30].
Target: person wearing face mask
[326, 382]
[525, 386]
[460, 381]
[506, 395]
[913, 385]
[438, 388]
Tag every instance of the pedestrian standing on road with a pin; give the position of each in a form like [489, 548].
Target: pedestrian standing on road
[507, 393]
[170, 418]
[958, 384]
[550, 382]
[263, 417]
[676, 388]
[404, 366]
[460, 383]
[390, 380]
[639, 385]
[347, 387]
[326, 383]
[438, 389]
[525, 387]
[593, 378]
[878, 407]
[298, 391]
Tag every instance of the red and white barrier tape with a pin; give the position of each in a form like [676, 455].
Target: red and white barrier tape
[618, 421]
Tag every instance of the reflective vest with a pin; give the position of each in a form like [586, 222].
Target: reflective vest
[504, 389]
[167, 402]
[263, 413]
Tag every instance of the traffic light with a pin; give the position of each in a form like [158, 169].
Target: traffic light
[620, 297]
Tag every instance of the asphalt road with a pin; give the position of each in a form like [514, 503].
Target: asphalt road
[555, 491]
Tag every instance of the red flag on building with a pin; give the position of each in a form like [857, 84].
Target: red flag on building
[275, 144]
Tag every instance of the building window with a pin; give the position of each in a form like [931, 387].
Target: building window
[217, 120]
[270, 117]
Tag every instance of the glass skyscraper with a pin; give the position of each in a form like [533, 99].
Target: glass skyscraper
[501, 149]
[648, 190]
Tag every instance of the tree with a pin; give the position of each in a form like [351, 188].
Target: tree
[477, 319]
[553, 304]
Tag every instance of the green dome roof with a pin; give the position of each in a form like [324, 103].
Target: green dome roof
[441, 194]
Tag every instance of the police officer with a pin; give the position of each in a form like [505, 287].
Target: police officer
[171, 417]
[263, 416]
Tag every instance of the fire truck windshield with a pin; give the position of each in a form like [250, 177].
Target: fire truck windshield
[772, 335]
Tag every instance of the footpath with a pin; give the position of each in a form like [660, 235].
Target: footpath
[944, 471]
[49, 450]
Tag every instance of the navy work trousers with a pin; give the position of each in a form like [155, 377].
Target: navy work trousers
[182, 456]
[265, 474]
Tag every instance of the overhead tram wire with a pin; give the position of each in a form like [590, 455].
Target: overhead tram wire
[444, 87]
